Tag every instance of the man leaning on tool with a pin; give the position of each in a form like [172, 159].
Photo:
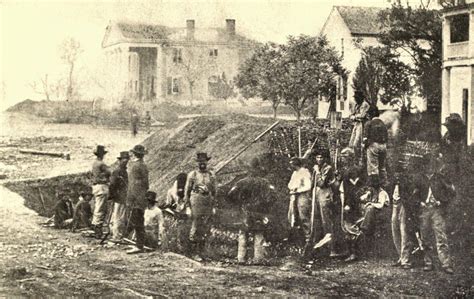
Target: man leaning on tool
[200, 192]
[136, 196]
[100, 189]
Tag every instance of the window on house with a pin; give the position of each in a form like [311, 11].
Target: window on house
[459, 28]
[136, 86]
[213, 52]
[177, 55]
[175, 87]
[341, 105]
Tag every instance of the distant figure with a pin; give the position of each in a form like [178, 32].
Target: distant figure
[82, 211]
[135, 120]
[148, 122]
[118, 194]
[255, 196]
[136, 196]
[359, 115]
[63, 211]
[100, 189]
[200, 192]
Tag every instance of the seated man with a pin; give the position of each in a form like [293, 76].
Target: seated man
[153, 221]
[63, 210]
[176, 207]
[82, 211]
[372, 201]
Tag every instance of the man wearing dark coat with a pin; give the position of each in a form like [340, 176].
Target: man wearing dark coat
[118, 194]
[433, 191]
[63, 210]
[136, 196]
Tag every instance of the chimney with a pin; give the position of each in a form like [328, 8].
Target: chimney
[190, 29]
[230, 27]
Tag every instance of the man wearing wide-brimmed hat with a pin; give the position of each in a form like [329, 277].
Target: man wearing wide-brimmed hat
[118, 194]
[453, 143]
[100, 189]
[136, 195]
[200, 191]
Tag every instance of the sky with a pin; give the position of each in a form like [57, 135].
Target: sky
[31, 31]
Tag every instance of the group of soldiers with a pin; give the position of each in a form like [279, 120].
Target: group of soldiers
[329, 207]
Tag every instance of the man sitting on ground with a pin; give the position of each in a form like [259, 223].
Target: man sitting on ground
[63, 210]
[82, 211]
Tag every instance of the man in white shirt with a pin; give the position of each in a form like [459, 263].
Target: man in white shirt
[299, 212]
[153, 221]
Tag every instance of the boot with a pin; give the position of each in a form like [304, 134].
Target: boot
[98, 231]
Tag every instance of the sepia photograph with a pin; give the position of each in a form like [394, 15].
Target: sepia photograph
[237, 148]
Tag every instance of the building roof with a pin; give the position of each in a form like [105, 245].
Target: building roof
[130, 32]
[361, 20]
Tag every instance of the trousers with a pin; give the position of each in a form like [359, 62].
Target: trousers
[400, 233]
[376, 158]
[259, 251]
[432, 218]
[137, 224]
[326, 214]
[200, 213]
[119, 220]
[101, 193]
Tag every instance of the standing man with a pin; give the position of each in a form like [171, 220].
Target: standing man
[255, 196]
[453, 143]
[148, 122]
[323, 178]
[434, 190]
[351, 182]
[135, 120]
[136, 196]
[100, 189]
[118, 194]
[299, 211]
[200, 192]
[359, 115]
[376, 137]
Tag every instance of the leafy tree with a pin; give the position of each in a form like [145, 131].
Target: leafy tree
[193, 63]
[70, 50]
[295, 74]
[260, 74]
[417, 31]
[382, 75]
[310, 69]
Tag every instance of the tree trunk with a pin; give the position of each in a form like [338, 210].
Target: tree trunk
[69, 87]
[275, 108]
[191, 93]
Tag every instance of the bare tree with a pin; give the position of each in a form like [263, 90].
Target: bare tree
[194, 63]
[42, 87]
[70, 50]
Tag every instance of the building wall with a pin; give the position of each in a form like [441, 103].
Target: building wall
[197, 63]
[458, 73]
